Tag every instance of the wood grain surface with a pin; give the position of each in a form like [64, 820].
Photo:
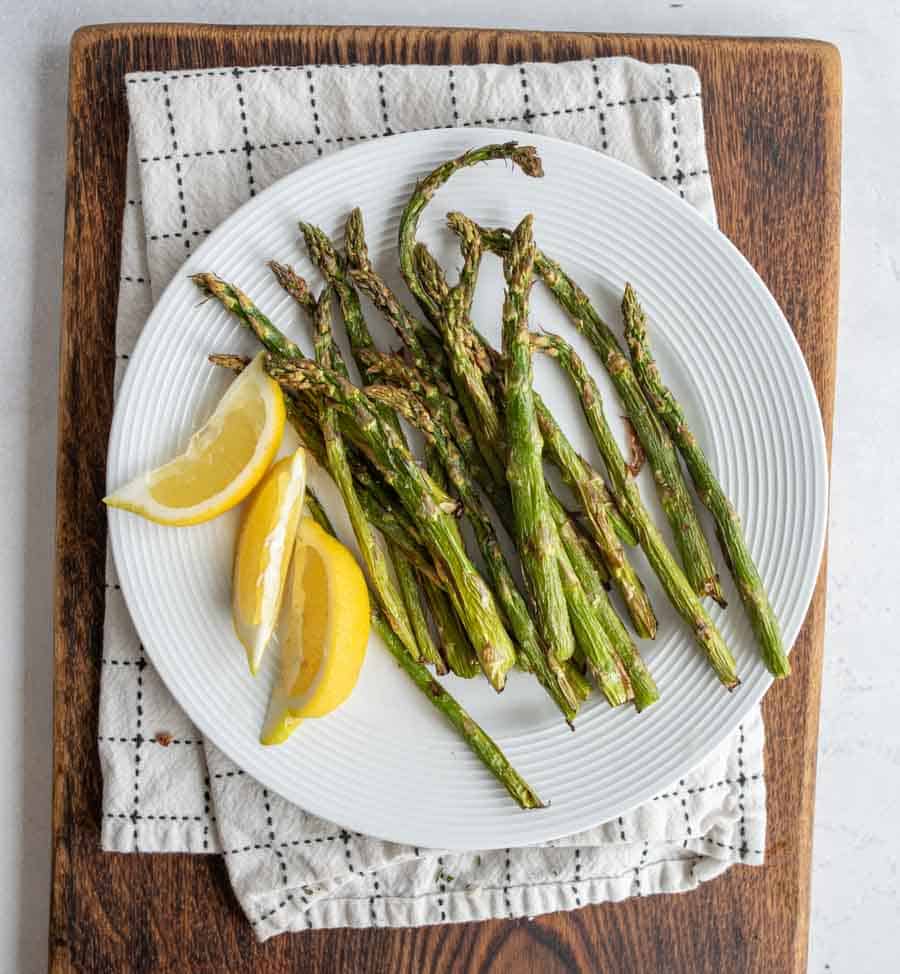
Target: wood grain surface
[773, 132]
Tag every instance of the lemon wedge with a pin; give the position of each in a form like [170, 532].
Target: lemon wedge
[223, 462]
[324, 633]
[263, 552]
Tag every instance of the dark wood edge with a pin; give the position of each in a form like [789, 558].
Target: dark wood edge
[91, 34]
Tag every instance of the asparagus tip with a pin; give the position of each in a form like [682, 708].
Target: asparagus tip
[236, 363]
[355, 240]
[630, 305]
[320, 248]
[518, 262]
[462, 225]
[203, 280]
[527, 159]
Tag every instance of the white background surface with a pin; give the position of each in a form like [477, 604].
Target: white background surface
[855, 877]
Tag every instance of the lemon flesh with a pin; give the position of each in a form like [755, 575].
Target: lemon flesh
[324, 633]
[224, 460]
[263, 552]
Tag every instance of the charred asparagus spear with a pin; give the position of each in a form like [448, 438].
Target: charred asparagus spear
[470, 371]
[455, 646]
[490, 362]
[573, 468]
[486, 750]
[675, 499]
[469, 380]
[555, 678]
[423, 343]
[596, 504]
[402, 397]
[525, 157]
[390, 600]
[586, 482]
[392, 370]
[294, 285]
[454, 304]
[473, 599]
[332, 266]
[462, 660]
[536, 536]
[642, 683]
[437, 287]
[678, 588]
[449, 317]
[709, 490]
[556, 591]
[449, 309]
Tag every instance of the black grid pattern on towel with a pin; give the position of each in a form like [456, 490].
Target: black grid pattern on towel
[525, 111]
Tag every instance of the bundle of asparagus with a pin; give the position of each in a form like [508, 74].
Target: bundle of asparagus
[488, 434]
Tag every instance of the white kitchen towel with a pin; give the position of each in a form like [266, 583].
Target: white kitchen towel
[202, 143]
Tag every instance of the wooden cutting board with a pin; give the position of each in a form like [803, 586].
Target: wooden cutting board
[773, 132]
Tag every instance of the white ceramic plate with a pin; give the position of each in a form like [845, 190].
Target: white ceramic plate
[385, 763]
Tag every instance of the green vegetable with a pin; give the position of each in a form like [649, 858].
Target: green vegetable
[709, 490]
